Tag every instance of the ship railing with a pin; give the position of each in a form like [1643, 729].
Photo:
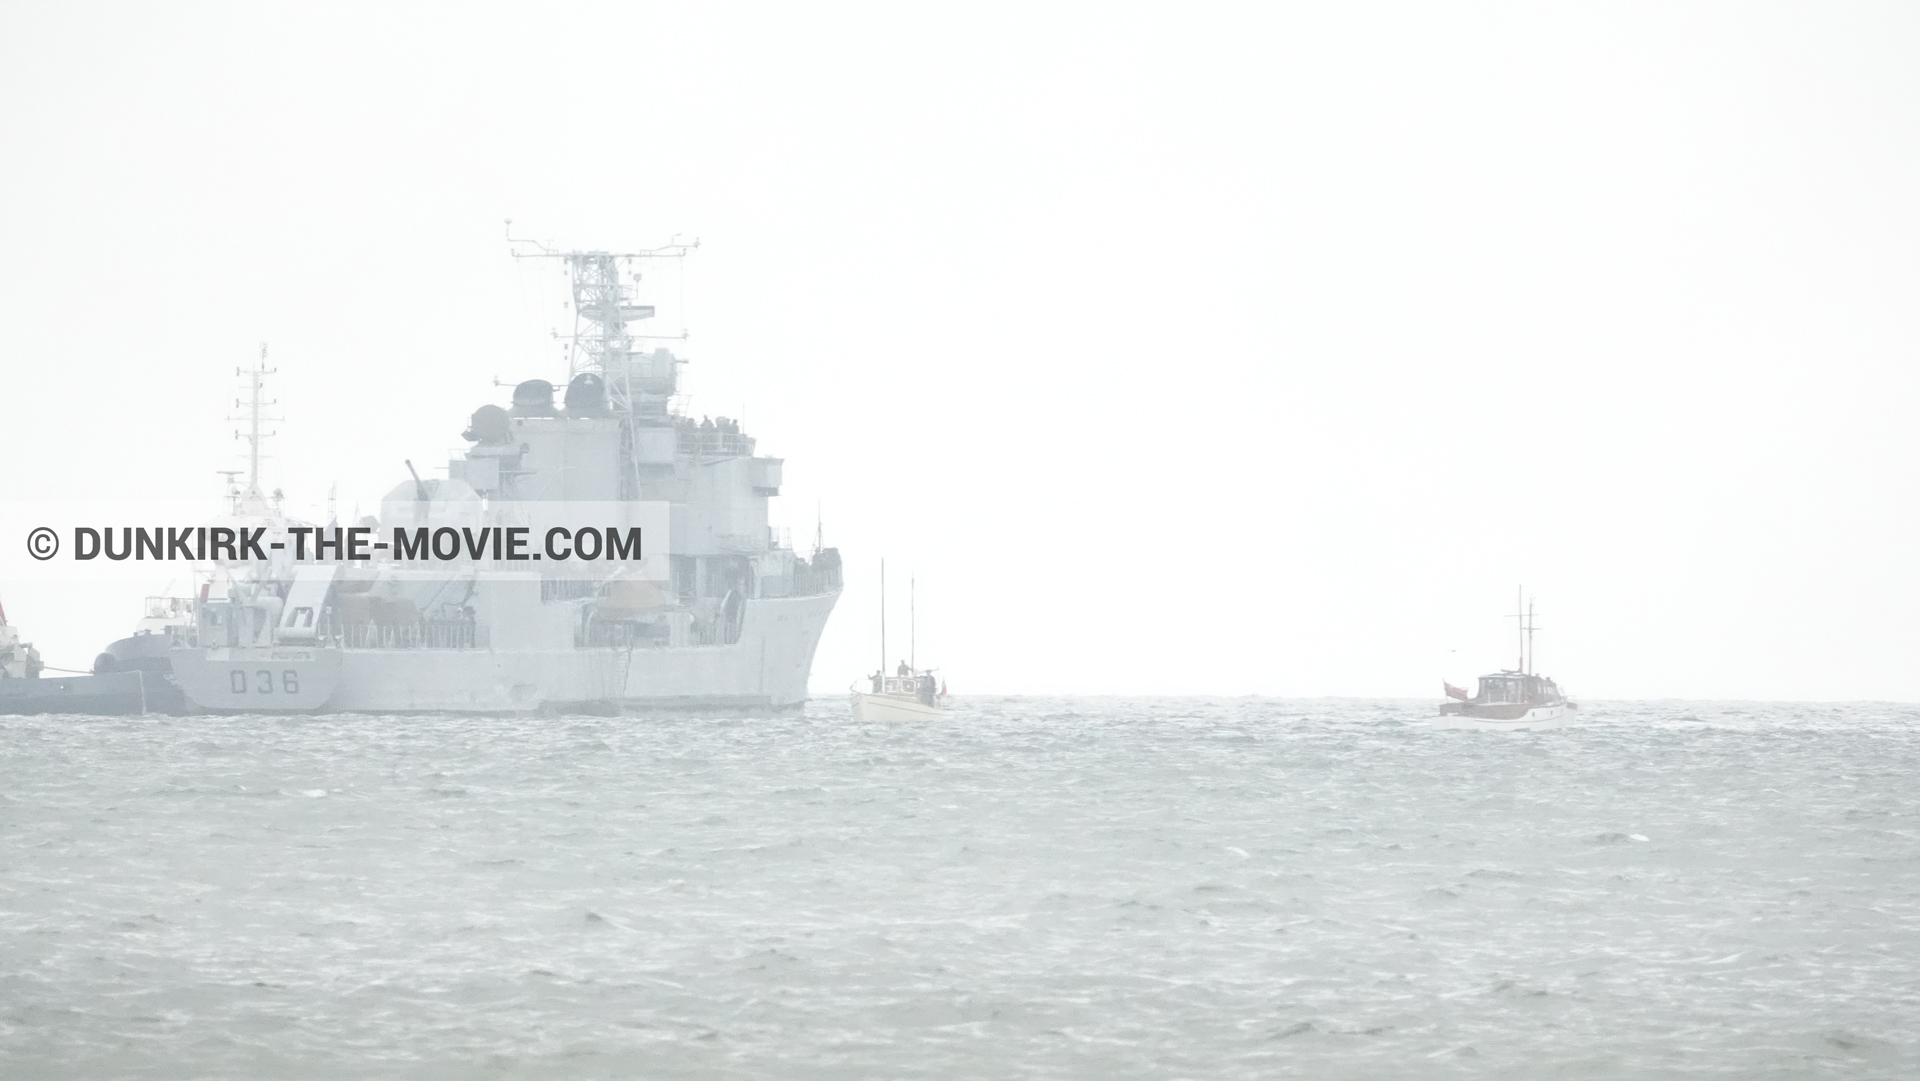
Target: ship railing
[424, 634]
[921, 686]
[623, 634]
[168, 607]
[814, 578]
[567, 589]
[705, 444]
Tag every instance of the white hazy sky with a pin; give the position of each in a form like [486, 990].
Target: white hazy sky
[1180, 348]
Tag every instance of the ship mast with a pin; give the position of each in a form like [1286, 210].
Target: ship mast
[1531, 659]
[1524, 627]
[255, 404]
[639, 387]
[883, 618]
[602, 308]
[1520, 626]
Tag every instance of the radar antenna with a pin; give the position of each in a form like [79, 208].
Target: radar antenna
[603, 305]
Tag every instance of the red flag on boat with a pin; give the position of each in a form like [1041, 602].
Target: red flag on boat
[1455, 692]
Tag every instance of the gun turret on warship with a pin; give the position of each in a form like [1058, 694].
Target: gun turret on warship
[727, 618]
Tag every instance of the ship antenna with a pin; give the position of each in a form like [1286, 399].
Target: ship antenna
[1531, 660]
[255, 406]
[1520, 625]
[253, 417]
[883, 619]
[603, 305]
[233, 488]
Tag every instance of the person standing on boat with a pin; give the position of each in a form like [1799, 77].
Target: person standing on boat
[903, 670]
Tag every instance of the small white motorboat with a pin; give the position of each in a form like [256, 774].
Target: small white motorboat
[912, 697]
[911, 693]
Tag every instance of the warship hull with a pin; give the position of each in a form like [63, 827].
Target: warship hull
[257, 680]
[765, 669]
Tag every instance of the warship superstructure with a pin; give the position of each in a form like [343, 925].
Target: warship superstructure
[728, 618]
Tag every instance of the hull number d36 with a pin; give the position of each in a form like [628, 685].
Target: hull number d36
[261, 681]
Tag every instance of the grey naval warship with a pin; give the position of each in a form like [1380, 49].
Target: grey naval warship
[728, 619]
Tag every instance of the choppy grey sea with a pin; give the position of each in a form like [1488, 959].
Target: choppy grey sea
[1058, 888]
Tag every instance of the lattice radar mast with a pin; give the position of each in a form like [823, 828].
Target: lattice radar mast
[603, 304]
